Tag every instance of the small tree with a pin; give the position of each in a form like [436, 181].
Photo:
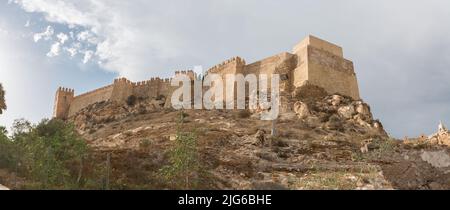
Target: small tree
[183, 171]
[6, 149]
[2, 99]
[49, 152]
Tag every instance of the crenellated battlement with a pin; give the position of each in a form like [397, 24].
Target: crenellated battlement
[93, 91]
[63, 99]
[236, 60]
[65, 90]
[190, 73]
[123, 80]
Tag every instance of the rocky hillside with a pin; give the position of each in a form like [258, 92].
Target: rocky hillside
[322, 142]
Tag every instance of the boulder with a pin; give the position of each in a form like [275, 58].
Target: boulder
[336, 100]
[362, 120]
[347, 111]
[289, 116]
[438, 159]
[363, 109]
[260, 138]
[301, 109]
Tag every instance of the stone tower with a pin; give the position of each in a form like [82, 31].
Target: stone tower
[63, 99]
[323, 64]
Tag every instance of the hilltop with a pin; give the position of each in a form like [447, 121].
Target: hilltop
[326, 142]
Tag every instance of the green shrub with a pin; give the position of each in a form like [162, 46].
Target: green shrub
[183, 170]
[49, 153]
[145, 143]
[6, 150]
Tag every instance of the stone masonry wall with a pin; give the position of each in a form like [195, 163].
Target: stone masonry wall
[84, 100]
[312, 61]
[281, 64]
[333, 73]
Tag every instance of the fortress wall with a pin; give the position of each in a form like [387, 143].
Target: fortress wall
[147, 89]
[165, 88]
[119, 92]
[333, 73]
[122, 89]
[282, 64]
[265, 66]
[234, 66]
[315, 61]
[86, 99]
[231, 66]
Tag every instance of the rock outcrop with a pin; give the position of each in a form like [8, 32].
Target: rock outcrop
[322, 142]
[442, 137]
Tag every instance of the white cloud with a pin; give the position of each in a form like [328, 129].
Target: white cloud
[87, 36]
[121, 41]
[62, 37]
[26, 77]
[72, 51]
[55, 50]
[88, 56]
[46, 35]
[3, 31]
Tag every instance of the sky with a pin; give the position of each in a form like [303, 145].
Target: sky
[401, 49]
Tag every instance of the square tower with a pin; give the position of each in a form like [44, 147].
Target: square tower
[63, 99]
[322, 63]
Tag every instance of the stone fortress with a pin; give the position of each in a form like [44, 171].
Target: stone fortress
[312, 62]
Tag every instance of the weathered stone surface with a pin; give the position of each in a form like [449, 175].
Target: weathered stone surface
[442, 137]
[336, 100]
[362, 109]
[347, 111]
[301, 109]
[438, 159]
[260, 138]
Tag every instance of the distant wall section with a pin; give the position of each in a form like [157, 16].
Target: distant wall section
[86, 99]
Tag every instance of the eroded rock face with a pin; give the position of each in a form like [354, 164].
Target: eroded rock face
[438, 159]
[97, 115]
[338, 113]
[442, 137]
[363, 109]
[423, 169]
[336, 100]
[347, 111]
[260, 138]
[301, 109]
